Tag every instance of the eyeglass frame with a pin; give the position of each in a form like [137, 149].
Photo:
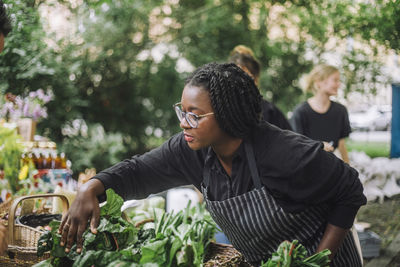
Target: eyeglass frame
[185, 114]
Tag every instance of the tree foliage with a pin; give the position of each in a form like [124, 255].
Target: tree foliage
[121, 67]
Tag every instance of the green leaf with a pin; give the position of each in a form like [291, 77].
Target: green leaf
[155, 252]
[45, 243]
[45, 263]
[176, 245]
[113, 206]
[100, 258]
[184, 256]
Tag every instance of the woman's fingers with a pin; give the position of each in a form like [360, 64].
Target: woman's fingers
[79, 238]
[72, 230]
[74, 223]
[63, 230]
[94, 221]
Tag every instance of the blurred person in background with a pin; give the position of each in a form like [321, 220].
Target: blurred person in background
[244, 57]
[5, 28]
[319, 117]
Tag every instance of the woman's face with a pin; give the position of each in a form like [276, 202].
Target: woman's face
[330, 85]
[196, 99]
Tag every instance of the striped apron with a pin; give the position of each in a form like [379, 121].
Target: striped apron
[255, 224]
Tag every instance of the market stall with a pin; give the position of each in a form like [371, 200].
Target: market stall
[37, 188]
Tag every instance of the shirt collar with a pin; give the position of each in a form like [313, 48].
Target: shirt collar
[239, 154]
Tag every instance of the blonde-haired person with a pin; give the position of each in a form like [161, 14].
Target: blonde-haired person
[319, 117]
[244, 57]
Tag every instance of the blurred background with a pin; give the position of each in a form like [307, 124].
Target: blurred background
[115, 68]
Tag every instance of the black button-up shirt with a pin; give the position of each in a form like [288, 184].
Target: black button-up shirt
[295, 170]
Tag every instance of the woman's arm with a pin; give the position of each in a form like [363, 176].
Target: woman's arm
[343, 150]
[325, 179]
[332, 239]
[168, 166]
[172, 164]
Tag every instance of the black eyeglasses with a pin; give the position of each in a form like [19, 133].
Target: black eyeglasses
[190, 117]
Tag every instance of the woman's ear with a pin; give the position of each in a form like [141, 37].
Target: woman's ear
[317, 86]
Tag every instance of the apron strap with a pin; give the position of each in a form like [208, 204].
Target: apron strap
[252, 165]
[207, 169]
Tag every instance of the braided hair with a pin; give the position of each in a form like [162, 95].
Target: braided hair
[5, 24]
[235, 98]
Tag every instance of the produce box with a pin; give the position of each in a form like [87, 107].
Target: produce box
[370, 244]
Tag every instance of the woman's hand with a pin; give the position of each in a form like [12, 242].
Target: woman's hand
[3, 238]
[328, 146]
[85, 208]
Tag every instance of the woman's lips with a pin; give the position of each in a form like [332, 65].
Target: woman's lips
[188, 138]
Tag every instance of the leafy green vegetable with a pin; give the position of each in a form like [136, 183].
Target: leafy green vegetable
[155, 251]
[113, 234]
[293, 254]
[45, 263]
[45, 243]
[96, 258]
[172, 240]
[113, 206]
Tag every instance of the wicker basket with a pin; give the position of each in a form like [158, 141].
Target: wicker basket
[22, 239]
[224, 255]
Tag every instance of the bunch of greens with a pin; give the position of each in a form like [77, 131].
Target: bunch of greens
[114, 233]
[180, 239]
[172, 240]
[293, 254]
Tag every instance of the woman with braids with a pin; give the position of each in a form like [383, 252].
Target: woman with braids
[244, 57]
[262, 185]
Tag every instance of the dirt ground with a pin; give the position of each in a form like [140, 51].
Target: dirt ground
[385, 221]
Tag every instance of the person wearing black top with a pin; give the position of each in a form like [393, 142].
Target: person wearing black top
[319, 117]
[331, 126]
[262, 185]
[244, 57]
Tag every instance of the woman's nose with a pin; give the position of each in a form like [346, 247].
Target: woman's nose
[184, 124]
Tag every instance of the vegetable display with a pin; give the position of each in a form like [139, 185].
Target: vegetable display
[171, 240]
[293, 254]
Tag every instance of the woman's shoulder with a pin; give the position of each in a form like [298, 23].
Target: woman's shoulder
[282, 151]
[303, 107]
[273, 135]
[338, 106]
